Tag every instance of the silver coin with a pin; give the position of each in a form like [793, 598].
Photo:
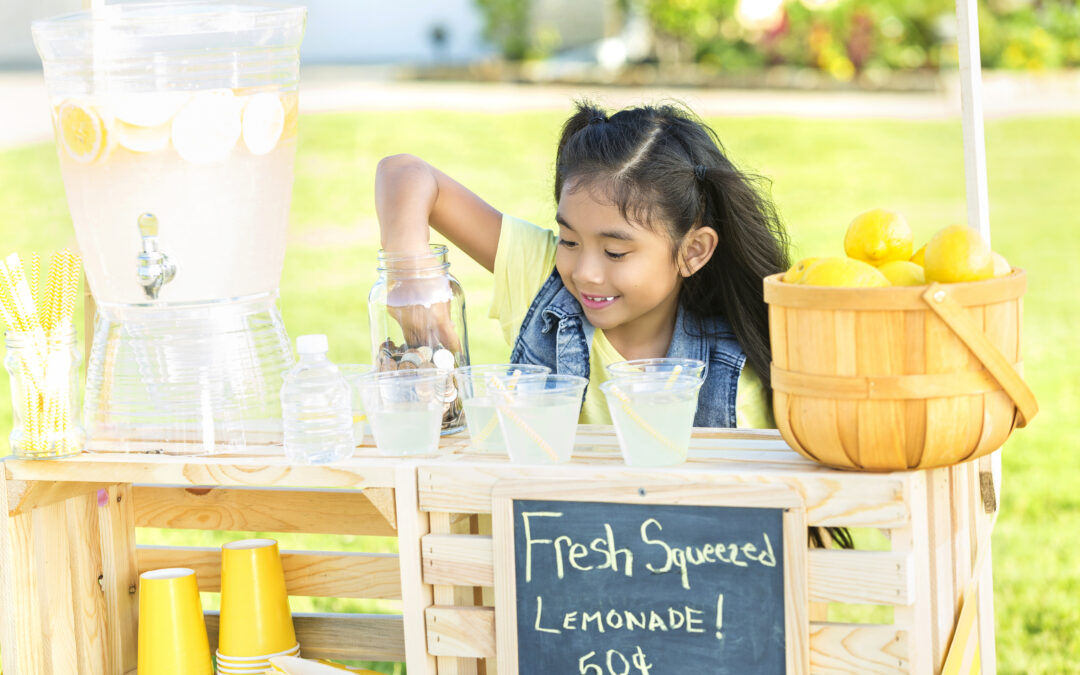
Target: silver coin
[443, 359]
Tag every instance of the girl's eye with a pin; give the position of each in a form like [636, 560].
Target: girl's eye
[567, 243]
[615, 256]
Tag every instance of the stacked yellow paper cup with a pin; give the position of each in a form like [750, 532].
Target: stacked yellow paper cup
[256, 623]
[172, 632]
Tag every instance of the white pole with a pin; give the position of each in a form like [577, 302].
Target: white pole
[971, 107]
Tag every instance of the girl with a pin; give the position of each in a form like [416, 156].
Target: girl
[661, 251]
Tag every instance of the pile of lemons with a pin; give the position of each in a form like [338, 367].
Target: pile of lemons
[879, 247]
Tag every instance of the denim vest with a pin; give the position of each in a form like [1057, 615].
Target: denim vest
[556, 334]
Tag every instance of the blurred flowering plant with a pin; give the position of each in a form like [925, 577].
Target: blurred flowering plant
[846, 37]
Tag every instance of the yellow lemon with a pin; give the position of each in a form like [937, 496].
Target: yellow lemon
[920, 256]
[957, 253]
[1001, 265]
[794, 275]
[877, 237]
[903, 273]
[83, 134]
[843, 272]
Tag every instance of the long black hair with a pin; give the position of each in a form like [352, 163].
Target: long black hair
[664, 167]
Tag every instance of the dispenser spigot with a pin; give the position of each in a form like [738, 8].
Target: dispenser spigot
[154, 269]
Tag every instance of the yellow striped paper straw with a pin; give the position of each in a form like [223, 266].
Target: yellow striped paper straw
[648, 428]
[69, 288]
[523, 425]
[35, 272]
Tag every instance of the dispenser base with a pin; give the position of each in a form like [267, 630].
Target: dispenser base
[207, 376]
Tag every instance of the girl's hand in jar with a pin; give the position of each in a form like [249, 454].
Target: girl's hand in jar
[422, 309]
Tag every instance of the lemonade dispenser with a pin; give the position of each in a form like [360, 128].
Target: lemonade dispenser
[176, 130]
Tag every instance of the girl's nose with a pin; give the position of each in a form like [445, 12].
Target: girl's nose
[588, 272]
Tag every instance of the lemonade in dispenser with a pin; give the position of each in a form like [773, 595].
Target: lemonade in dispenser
[176, 131]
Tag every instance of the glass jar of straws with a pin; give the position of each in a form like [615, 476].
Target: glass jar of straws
[44, 377]
[42, 356]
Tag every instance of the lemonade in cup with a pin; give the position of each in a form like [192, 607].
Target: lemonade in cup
[477, 388]
[538, 416]
[665, 366]
[405, 409]
[653, 416]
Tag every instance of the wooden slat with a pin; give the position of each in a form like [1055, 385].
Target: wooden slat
[259, 510]
[21, 628]
[360, 637]
[25, 496]
[451, 595]
[53, 591]
[120, 577]
[311, 573]
[832, 498]
[416, 596]
[858, 649]
[461, 631]
[84, 542]
[458, 559]
[861, 577]
[268, 469]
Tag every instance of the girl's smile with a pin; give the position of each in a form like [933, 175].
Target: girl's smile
[597, 301]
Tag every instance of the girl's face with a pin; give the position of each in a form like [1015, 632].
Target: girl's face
[624, 275]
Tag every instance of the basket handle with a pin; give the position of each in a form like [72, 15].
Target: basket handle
[938, 299]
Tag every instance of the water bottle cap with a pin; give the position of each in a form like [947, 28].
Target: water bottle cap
[312, 344]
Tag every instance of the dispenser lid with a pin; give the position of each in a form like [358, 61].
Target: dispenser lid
[312, 344]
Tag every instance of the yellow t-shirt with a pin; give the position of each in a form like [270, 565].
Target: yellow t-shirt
[525, 258]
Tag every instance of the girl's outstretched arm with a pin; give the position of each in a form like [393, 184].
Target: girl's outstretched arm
[411, 195]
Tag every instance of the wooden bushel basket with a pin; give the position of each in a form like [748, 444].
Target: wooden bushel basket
[889, 379]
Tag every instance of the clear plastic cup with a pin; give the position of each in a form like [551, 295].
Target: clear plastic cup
[666, 366]
[653, 416]
[405, 409]
[538, 416]
[476, 389]
[353, 373]
[172, 631]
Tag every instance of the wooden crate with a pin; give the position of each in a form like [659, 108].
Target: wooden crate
[69, 564]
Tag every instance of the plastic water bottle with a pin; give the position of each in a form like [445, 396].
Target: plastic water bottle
[316, 406]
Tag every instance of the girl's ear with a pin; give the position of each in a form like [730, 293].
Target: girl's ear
[697, 248]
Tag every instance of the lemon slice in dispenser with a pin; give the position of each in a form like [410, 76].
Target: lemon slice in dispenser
[83, 133]
[142, 139]
[149, 109]
[264, 120]
[206, 129]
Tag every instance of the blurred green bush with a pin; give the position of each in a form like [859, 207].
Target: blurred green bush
[842, 38]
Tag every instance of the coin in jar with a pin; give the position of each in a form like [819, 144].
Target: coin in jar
[406, 365]
[443, 359]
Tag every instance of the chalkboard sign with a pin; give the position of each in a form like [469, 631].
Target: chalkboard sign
[610, 588]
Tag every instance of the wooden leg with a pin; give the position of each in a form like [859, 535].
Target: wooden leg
[120, 577]
[446, 523]
[416, 596]
[21, 635]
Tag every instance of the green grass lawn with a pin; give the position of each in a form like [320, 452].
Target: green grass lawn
[823, 173]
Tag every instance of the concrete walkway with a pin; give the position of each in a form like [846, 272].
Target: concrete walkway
[25, 109]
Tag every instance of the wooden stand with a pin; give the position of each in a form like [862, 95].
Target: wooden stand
[69, 563]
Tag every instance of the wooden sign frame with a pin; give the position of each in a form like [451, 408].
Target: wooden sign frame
[733, 493]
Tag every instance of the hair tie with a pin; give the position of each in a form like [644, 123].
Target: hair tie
[699, 172]
[597, 118]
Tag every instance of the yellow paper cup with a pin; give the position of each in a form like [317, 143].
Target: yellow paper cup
[255, 617]
[172, 631]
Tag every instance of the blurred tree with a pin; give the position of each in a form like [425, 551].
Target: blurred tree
[506, 24]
